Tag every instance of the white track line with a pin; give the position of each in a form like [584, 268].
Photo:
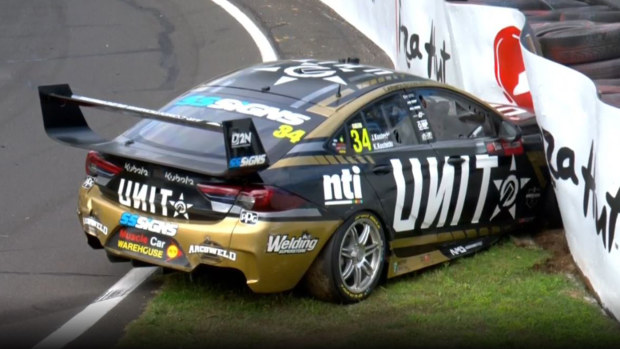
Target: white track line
[96, 310]
[264, 46]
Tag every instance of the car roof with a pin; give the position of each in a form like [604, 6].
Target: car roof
[310, 82]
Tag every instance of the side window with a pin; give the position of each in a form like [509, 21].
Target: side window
[384, 124]
[452, 116]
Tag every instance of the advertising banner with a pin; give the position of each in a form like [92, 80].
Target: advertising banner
[490, 52]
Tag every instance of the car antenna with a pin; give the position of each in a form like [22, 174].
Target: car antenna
[338, 95]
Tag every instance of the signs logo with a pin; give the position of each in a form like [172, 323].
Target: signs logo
[246, 108]
[247, 161]
[343, 189]
[149, 224]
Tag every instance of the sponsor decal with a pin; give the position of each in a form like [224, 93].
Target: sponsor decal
[247, 161]
[459, 250]
[180, 207]
[142, 196]
[509, 67]
[508, 190]
[241, 139]
[174, 177]
[88, 182]
[149, 224]
[173, 252]
[532, 197]
[211, 250]
[343, 189]
[282, 244]
[604, 214]
[248, 217]
[436, 58]
[94, 223]
[247, 108]
[154, 241]
[132, 168]
[440, 190]
[134, 237]
[141, 249]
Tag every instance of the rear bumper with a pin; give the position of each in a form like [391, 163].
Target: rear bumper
[273, 255]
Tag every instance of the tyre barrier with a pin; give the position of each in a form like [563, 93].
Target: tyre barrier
[583, 35]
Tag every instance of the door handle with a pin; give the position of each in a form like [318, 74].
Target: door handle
[455, 160]
[382, 169]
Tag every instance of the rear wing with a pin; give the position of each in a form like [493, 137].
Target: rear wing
[64, 122]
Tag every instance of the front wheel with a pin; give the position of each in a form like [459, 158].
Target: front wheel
[351, 264]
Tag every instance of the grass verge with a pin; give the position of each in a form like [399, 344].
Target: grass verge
[500, 297]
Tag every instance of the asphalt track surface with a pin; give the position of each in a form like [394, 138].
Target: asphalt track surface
[138, 52]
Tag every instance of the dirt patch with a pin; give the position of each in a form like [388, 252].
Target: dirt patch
[561, 260]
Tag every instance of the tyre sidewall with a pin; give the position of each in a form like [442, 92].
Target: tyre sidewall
[345, 294]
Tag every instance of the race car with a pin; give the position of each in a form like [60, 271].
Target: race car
[330, 175]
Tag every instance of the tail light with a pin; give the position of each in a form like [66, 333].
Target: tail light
[256, 197]
[96, 165]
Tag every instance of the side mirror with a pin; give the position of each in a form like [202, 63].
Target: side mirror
[509, 132]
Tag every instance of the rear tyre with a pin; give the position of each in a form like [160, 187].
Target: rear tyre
[352, 262]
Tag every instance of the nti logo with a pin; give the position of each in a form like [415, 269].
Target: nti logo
[343, 189]
[241, 139]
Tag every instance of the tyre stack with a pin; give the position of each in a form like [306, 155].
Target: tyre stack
[581, 34]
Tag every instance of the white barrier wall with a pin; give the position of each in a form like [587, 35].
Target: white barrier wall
[477, 48]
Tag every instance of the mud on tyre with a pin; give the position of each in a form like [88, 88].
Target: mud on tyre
[352, 262]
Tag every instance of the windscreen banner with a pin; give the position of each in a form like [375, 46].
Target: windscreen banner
[489, 51]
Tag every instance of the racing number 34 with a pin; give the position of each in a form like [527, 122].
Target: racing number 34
[360, 141]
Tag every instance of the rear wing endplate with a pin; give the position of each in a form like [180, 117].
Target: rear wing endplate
[64, 122]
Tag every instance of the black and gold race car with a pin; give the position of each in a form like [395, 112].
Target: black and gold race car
[328, 174]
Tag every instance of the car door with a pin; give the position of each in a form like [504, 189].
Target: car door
[490, 173]
[386, 132]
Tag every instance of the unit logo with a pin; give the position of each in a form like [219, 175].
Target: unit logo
[441, 187]
[343, 189]
[282, 244]
[241, 139]
[143, 196]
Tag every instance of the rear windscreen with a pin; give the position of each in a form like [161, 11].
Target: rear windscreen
[278, 128]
